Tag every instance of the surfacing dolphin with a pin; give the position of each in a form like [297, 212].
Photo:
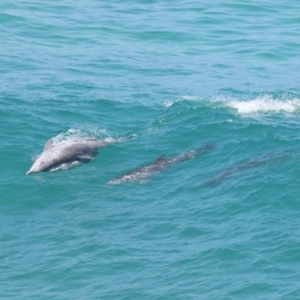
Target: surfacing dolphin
[160, 164]
[80, 150]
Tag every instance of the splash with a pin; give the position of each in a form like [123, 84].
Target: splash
[82, 133]
[65, 166]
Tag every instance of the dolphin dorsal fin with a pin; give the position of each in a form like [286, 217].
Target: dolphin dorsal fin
[160, 159]
[48, 145]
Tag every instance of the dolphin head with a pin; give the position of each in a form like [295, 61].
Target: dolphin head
[42, 163]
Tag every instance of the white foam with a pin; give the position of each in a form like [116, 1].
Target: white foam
[265, 104]
[65, 166]
[261, 104]
[183, 98]
[80, 133]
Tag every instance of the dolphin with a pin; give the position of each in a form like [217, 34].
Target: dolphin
[158, 166]
[80, 150]
[251, 164]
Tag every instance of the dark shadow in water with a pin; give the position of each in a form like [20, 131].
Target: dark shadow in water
[253, 163]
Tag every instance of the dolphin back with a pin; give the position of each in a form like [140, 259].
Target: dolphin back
[191, 154]
[159, 160]
[78, 151]
[160, 164]
[205, 148]
[48, 145]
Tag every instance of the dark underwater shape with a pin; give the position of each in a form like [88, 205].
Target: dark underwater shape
[160, 164]
[251, 164]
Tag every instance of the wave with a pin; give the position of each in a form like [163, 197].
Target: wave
[265, 104]
[261, 104]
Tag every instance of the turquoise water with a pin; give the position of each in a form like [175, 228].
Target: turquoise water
[175, 75]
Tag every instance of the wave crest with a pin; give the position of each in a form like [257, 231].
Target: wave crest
[265, 104]
[261, 104]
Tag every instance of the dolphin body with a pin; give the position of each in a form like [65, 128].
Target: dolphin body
[81, 150]
[228, 173]
[251, 164]
[160, 164]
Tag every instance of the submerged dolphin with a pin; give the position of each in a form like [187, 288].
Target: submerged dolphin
[251, 164]
[159, 165]
[66, 152]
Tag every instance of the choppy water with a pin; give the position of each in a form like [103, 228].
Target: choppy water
[175, 75]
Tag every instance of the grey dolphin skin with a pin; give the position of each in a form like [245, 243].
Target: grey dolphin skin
[158, 166]
[67, 151]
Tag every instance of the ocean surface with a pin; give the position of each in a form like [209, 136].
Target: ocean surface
[176, 76]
